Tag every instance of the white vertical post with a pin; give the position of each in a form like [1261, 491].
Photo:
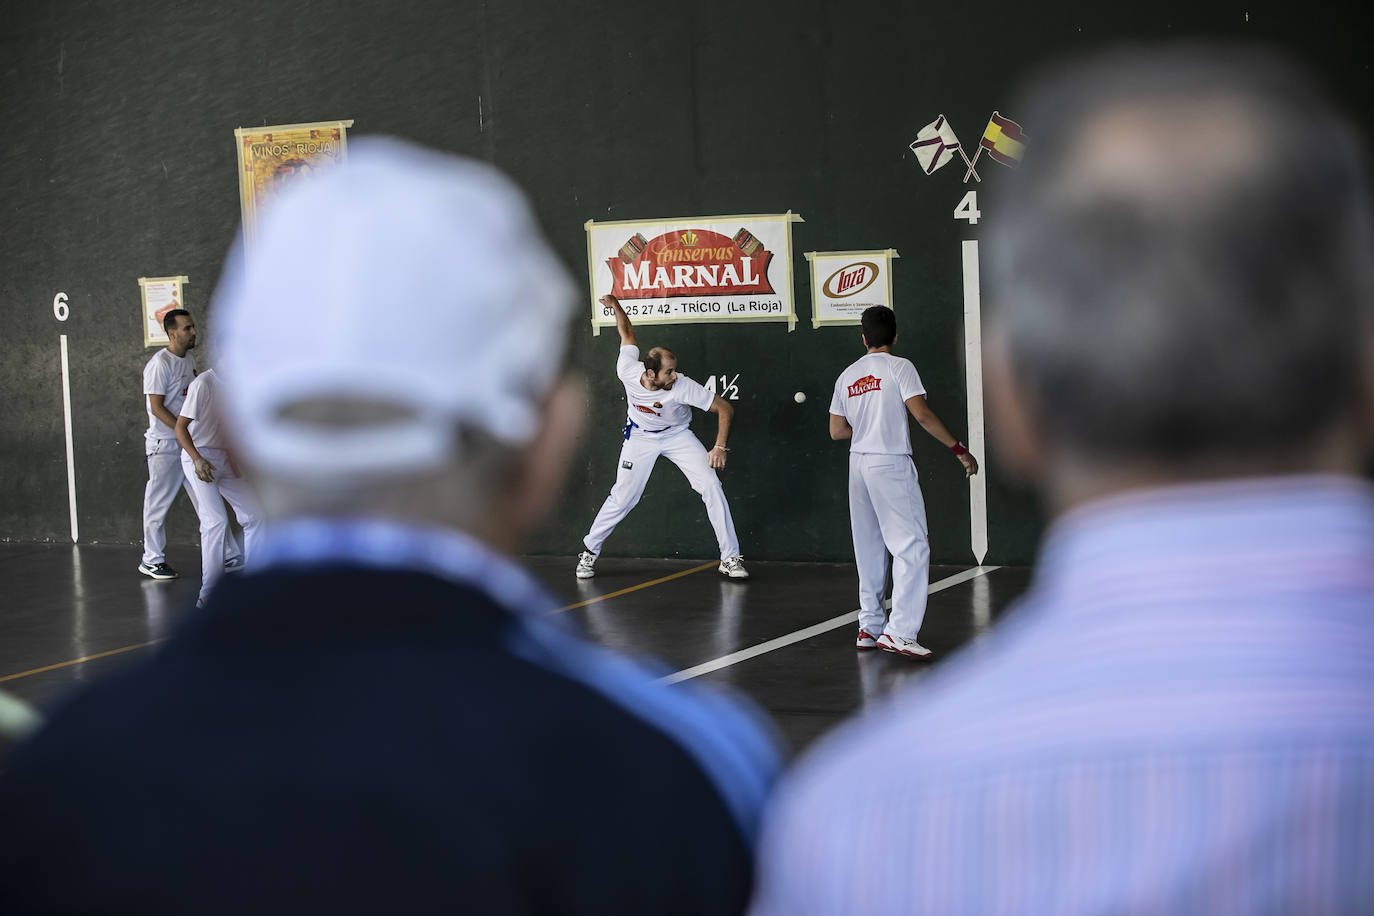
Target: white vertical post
[67, 419]
[973, 377]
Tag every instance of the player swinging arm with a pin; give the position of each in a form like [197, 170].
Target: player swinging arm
[659, 403]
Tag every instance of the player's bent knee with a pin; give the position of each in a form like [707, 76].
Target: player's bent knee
[626, 499]
[213, 528]
[710, 488]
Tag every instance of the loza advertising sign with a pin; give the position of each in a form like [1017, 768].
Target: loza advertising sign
[844, 283]
[693, 269]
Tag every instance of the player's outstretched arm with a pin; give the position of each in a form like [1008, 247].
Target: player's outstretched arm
[204, 469]
[622, 321]
[932, 424]
[840, 428]
[725, 414]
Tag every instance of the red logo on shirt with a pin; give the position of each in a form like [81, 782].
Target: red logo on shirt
[865, 385]
[649, 410]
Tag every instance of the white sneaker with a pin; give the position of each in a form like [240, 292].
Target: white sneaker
[586, 564]
[158, 571]
[734, 568]
[866, 640]
[908, 647]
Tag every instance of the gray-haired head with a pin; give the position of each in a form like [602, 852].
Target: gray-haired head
[1181, 269]
[415, 278]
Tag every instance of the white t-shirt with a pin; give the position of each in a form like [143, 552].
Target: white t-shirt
[658, 410]
[871, 394]
[200, 408]
[168, 376]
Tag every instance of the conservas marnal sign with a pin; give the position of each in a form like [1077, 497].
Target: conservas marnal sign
[691, 269]
[844, 283]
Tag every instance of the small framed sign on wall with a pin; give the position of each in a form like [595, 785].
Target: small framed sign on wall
[844, 283]
[160, 296]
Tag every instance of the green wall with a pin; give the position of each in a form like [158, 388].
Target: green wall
[118, 161]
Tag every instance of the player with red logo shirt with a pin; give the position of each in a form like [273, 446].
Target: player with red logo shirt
[660, 413]
[886, 511]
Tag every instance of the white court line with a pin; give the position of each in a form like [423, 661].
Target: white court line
[67, 418]
[973, 379]
[725, 661]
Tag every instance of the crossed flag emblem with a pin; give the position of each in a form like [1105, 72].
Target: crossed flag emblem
[936, 144]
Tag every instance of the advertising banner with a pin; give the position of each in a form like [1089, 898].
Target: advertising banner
[844, 283]
[160, 296]
[693, 269]
[272, 157]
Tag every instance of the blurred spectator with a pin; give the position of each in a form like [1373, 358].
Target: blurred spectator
[379, 716]
[18, 720]
[1179, 716]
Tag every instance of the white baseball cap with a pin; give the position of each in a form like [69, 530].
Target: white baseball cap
[407, 277]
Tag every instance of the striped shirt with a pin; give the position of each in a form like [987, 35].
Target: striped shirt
[1179, 717]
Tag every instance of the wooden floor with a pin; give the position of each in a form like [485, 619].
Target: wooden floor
[774, 637]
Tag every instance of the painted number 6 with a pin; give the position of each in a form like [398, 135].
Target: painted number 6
[60, 310]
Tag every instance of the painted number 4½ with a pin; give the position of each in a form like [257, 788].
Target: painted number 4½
[968, 208]
[729, 390]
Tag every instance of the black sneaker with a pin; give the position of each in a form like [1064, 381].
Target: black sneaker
[158, 571]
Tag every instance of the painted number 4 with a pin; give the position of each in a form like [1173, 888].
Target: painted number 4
[968, 208]
[728, 389]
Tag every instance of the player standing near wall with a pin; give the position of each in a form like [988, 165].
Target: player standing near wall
[660, 416]
[166, 378]
[213, 477]
[886, 511]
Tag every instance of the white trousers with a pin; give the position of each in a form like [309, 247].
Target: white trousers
[637, 458]
[216, 540]
[888, 515]
[164, 479]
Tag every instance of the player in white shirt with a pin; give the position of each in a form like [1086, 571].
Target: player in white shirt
[660, 406]
[211, 473]
[886, 511]
[166, 378]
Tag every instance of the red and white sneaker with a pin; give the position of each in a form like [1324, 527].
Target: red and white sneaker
[908, 647]
[866, 640]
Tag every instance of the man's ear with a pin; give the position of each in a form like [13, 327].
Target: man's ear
[545, 461]
[1020, 442]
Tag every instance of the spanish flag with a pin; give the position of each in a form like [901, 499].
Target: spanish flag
[1004, 140]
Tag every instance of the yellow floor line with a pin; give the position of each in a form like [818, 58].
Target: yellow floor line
[623, 591]
[635, 588]
[77, 661]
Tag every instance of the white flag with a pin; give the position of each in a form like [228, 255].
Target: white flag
[935, 145]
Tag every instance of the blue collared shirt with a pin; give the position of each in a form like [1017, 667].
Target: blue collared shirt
[729, 741]
[1179, 717]
[443, 552]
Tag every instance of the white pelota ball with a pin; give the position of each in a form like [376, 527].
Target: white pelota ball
[799, 397]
